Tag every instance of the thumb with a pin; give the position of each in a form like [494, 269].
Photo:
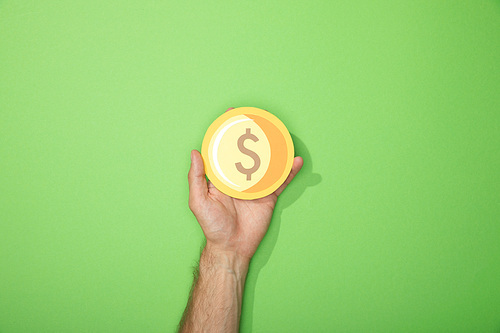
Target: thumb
[198, 188]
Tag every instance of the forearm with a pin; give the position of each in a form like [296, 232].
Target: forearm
[215, 303]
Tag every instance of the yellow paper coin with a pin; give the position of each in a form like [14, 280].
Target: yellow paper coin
[248, 153]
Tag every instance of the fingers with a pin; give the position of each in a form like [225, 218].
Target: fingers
[197, 183]
[298, 162]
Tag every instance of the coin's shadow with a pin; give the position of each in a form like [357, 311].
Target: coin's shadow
[305, 178]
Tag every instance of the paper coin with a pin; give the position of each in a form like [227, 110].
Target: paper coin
[248, 153]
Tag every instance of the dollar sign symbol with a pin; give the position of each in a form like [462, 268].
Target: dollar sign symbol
[248, 152]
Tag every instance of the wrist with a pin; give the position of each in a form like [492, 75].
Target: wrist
[223, 259]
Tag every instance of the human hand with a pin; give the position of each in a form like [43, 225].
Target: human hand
[229, 224]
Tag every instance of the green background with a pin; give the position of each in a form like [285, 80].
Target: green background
[392, 226]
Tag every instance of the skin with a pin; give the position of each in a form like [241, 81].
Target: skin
[233, 229]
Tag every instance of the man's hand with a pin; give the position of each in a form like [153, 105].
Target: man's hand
[234, 229]
[229, 224]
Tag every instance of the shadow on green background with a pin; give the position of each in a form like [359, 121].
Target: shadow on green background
[304, 181]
